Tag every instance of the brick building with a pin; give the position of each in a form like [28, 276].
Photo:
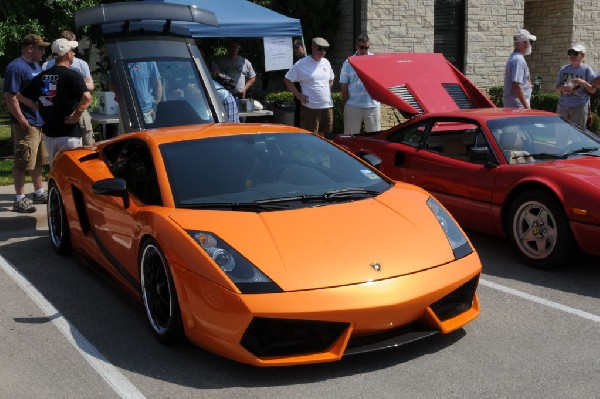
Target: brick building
[476, 35]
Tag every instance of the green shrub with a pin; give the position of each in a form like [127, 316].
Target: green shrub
[279, 97]
[495, 94]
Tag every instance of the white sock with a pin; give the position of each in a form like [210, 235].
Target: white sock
[39, 192]
[20, 196]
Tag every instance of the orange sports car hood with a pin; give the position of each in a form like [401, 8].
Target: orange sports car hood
[335, 244]
[417, 83]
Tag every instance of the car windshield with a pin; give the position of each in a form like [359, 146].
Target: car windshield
[259, 172]
[168, 92]
[538, 138]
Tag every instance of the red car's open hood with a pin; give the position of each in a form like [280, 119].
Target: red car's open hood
[417, 83]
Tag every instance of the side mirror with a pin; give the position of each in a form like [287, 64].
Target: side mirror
[112, 187]
[480, 155]
[373, 160]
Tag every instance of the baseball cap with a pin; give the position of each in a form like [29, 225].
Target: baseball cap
[62, 46]
[578, 47]
[34, 40]
[523, 35]
[319, 41]
[298, 43]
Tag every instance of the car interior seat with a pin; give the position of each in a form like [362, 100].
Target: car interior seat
[455, 148]
[512, 146]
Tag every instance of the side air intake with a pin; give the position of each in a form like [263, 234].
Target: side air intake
[404, 93]
[458, 95]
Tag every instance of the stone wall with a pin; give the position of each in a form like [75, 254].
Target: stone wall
[552, 22]
[490, 25]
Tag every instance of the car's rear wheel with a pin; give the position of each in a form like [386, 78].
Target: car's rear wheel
[58, 224]
[538, 229]
[159, 295]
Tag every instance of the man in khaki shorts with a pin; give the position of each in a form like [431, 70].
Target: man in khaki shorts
[26, 125]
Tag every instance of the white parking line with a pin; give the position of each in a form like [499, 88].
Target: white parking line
[121, 385]
[542, 301]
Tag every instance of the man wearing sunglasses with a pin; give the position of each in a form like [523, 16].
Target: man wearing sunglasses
[575, 83]
[517, 81]
[315, 76]
[359, 107]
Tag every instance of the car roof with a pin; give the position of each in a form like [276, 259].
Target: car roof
[193, 132]
[417, 83]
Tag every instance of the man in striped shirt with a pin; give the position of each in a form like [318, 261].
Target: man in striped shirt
[359, 107]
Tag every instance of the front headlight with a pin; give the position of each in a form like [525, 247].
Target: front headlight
[456, 238]
[247, 277]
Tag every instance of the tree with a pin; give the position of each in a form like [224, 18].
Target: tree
[43, 17]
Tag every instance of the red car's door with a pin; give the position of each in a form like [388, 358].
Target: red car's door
[445, 165]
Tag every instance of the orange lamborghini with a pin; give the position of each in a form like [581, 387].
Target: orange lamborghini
[263, 243]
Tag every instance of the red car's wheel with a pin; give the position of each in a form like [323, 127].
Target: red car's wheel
[160, 298]
[58, 224]
[539, 230]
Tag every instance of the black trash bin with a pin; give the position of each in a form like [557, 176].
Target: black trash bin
[283, 112]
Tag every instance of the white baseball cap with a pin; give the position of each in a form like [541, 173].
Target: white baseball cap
[62, 46]
[523, 35]
[578, 47]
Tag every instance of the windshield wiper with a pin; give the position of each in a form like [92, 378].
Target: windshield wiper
[565, 155]
[236, 206]
[328, 196]
[295, 198]
[350, 193]
[546, 155]
[583, 150]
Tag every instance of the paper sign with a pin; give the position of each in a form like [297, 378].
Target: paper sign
[278, 53]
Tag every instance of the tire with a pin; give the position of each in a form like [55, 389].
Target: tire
[159, 295]
[58, 225]
[539, 231]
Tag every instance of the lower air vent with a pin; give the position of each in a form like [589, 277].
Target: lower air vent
[456, 302]
[281, 337]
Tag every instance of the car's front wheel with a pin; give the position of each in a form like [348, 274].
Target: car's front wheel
[58, 225]
[538, 229]
[159, 295]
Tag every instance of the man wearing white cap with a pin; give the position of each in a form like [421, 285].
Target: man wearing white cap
[575, 83]
[517, 81]
[62, 96]
[315, 76]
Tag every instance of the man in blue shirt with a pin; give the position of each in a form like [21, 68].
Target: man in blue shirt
[517, 81]
[148, 86]
[26, 124]
[233, 115]
[359, 107]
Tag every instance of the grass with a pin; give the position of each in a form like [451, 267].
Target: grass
[6, 156]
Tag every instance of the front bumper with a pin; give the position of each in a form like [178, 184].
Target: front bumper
[324, 325]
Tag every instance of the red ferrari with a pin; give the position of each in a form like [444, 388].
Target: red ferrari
[528, 175]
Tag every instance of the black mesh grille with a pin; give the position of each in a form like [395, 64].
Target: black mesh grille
[458, 95]
[281, 337]
[404, 93]
[456, 302]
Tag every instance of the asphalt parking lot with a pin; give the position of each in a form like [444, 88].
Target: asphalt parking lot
[66, 332]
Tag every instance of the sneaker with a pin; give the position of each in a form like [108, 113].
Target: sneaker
[24, 205]
[40, 199]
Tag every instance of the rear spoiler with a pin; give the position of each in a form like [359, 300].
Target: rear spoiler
[123, 12]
